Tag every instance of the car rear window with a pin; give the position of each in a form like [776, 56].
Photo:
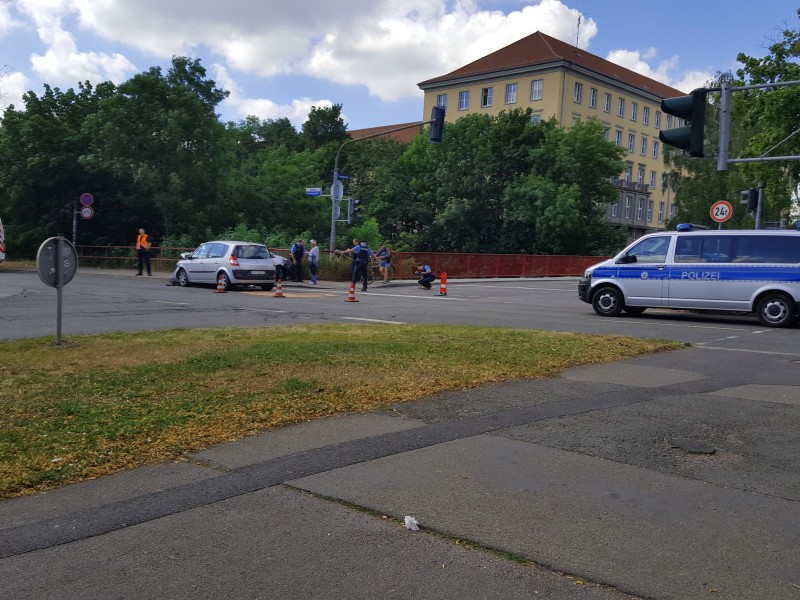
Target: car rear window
[253, 252]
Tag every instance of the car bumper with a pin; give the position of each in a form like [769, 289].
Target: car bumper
[584, 286]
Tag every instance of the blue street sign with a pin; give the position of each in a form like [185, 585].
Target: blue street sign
[340, 176]
[313, 191]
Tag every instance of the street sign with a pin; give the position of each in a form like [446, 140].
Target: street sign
[87, 199]
[87, 212]
[56, 262]
[337, 191]
[313, 191]
[721, 211]
[340, 176]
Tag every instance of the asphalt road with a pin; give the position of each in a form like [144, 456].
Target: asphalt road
[96, 302]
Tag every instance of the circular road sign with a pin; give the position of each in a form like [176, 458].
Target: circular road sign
[87, 199]
[87, 212]
[721, 211]
[56, 262]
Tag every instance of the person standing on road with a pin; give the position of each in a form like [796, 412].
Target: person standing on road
[426, 276]
[385, 256]
[143, 251]
[313, 261]
[354, 252]
[362, 256]
[298, 252]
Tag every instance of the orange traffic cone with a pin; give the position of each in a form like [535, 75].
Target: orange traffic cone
[351, 297]
[279, 290]
[443, 284]
[220, 286]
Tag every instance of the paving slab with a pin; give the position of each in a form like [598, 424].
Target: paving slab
[643, 532]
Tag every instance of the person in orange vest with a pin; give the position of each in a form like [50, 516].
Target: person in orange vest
[143, 251]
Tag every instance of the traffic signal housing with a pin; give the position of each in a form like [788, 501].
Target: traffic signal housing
[437, 125]
[352, 210]
[692, 109]
[750, 197]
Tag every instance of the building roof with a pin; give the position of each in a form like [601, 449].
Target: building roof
[539, 49]
[404, 135]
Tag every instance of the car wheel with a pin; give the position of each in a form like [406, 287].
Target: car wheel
[266, 287]
[226, 282]
[607, 302]
[634, 310]
[776, 310]
[181, 278]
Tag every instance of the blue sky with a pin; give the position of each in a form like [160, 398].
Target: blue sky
[280, 58]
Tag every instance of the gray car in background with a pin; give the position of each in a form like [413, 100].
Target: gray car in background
[229, 263]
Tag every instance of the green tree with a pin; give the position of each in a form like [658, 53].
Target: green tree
[323, 126]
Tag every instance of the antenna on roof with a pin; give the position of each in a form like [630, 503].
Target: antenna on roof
[578, 34]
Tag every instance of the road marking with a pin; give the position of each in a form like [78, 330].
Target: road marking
[639, 322]
[410, 296]
[769, 352]
[168, 302]
[375, 321]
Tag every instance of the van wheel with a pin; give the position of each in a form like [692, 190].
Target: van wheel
[607, 302]
[776, 310]
[634, 310]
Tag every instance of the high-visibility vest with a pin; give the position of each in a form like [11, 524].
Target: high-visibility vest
[143, 241]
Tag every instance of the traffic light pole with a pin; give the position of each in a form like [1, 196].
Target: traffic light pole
[337, 191]
[725, 122]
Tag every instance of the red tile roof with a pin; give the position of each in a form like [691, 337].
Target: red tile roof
[539, 49]
[404, 135]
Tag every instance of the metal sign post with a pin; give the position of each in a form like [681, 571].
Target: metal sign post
[57, 263]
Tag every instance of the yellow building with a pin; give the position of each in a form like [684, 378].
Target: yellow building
[555, 79]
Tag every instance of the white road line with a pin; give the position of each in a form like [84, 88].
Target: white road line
[168, 302]
[375, 321]
[701, 347]
[410, 296]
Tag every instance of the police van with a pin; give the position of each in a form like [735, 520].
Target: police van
[746, 271]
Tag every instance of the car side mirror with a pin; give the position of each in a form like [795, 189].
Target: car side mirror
[628, 259]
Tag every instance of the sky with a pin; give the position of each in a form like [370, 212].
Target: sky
[278, 59]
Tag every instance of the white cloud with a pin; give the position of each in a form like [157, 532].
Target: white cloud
[665, 71]
[12, 87]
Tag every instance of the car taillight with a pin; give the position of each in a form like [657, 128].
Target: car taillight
[233, 261]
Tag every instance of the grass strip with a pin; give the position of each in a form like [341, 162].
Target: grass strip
[99, 404]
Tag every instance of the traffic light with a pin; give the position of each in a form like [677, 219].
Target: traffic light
[437, 125]
[750, 197]
[352, 210]
[692, 109]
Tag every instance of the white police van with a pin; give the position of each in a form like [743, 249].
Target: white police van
[747, 271]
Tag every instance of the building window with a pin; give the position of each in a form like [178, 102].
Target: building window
[537, 89]
[631, 142]
[640, 176]
[650, 211]
[669, 121]
[486, 97]
[640, 210]
[511, 93]
[643, 147]
[628, 173]
[658, 119]
[621, 108]
[672, 211]
[441, 100]
[618, 139]
[655, 148]
[575, 119]
[628, 201]
[607, 103]
[537, 118]
[593, 97]
[663, 182]
[652, 180]
[634, 111]
[578, 96]
[606, 133]
[646, 115]
[615, 209]
[660, 212]
[463, 100]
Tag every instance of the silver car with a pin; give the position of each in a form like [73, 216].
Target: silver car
[231, 263]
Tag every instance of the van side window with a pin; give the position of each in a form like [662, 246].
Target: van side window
[651, 250]
[768, 249]
[700, 249]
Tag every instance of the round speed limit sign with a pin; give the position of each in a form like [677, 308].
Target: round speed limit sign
[721, 211]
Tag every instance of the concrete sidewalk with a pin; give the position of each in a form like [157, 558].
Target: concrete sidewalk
[582, 476]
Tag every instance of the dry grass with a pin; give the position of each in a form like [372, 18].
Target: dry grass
[99, 404]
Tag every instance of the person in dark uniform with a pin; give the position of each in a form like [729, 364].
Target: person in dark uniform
[298, 252]
[426, 276]
[362, 257]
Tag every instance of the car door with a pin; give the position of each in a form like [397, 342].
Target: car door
[642, 273]
[195, 266]
[216, 261]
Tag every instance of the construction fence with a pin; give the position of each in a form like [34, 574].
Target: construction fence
[337, 266]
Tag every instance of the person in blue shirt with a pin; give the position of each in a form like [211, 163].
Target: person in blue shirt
[362, 255]
[426, 276]
[384, 253]
[298, 251]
